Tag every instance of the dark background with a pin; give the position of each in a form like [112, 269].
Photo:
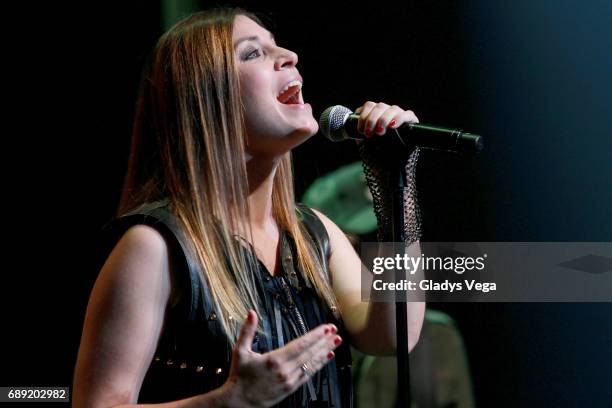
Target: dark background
[533, 77]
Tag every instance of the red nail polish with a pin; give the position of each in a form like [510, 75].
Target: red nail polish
[333, 329]
[326, 330]
[379, 129]
[368, 132]
[337, 341]
[392, 123]
[330, 355]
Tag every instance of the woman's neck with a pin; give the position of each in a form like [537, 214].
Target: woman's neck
[260, 172]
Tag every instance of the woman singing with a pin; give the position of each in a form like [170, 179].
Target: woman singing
[221, 290]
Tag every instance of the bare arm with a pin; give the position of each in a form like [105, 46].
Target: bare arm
[371, 325]
[123, 323]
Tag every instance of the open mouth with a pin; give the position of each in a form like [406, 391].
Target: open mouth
[292, 94]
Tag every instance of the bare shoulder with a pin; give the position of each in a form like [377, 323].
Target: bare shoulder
[139, 258]
[141, 241]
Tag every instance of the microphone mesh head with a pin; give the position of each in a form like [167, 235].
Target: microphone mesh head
[332, 121]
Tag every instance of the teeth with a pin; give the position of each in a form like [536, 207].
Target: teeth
[289, 85]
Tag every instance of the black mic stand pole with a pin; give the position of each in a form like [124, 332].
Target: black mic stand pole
[403, 399]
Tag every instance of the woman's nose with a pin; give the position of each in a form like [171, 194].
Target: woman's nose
[286, 59]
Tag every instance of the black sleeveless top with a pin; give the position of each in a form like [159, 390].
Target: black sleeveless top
[193, 353]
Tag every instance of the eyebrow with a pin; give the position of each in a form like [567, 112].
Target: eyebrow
[251, 38]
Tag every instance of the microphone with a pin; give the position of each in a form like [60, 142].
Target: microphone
[339, 123]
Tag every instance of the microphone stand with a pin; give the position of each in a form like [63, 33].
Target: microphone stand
[403, 399]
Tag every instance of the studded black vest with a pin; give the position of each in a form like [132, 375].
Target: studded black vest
[193, 353]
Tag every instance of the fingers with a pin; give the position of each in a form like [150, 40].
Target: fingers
[247, 332]
[310, 367]
[319, 355]
[391, 118]
[368, 111]
[376, 118]
[296, 347]
[283, 364]
[292, 373]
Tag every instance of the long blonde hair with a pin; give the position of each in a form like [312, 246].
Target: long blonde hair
[188, 146]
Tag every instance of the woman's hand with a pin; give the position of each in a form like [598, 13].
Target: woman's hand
[376, 118]
[262, 380]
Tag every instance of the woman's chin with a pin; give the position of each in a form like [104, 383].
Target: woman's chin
[305, 132]
[310, 127]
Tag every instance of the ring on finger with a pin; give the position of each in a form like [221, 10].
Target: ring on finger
[306, 370]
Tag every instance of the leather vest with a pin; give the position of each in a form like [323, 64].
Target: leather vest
[193, 353]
